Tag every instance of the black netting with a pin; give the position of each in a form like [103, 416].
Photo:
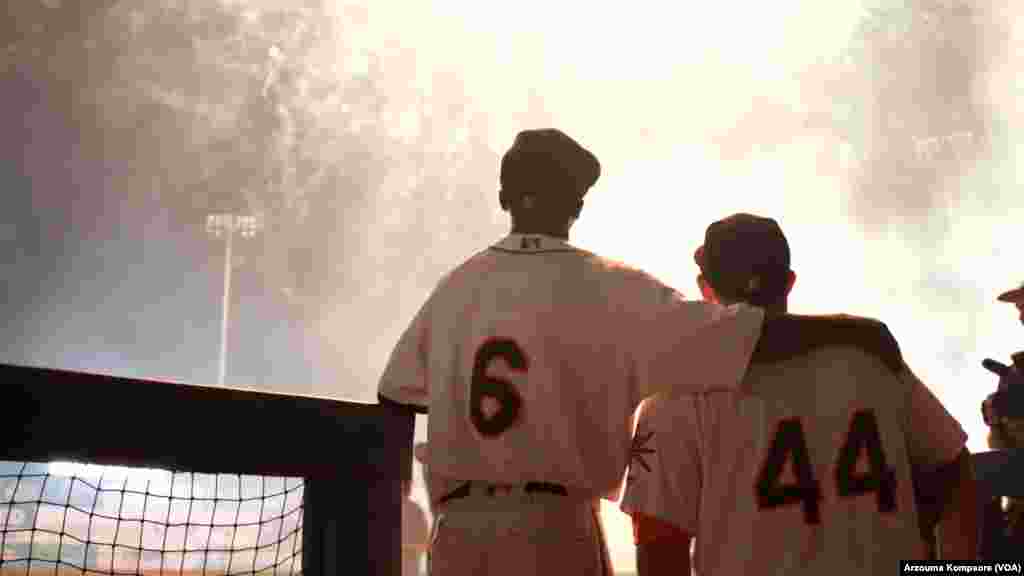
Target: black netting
[63, 519]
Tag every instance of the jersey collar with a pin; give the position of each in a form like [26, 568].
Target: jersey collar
[532, 244]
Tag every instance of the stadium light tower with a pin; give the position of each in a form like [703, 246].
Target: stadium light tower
[227, 224]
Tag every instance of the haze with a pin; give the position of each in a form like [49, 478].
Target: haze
[882, 135]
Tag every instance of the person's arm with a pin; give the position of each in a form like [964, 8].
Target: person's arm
[404, 389]
[957, 528]
[943, 480]
[417, 547]
[404, 381]
[947, 509]
[420, 452]
[418, 537]
[663, 485]
[662, 549]
[690, 347]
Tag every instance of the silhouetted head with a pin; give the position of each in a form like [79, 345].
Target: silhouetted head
[1016, 297]
[544, 177]
[745, 258]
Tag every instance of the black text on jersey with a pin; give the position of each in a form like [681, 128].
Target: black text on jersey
[529, 243]
[502, 391]
[789, 442]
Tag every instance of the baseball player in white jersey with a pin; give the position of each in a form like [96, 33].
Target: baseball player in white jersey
[531, 358]
[826, 461]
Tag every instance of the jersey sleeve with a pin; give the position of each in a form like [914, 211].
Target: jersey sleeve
[934, 437]
[665, 469]
[405, 377]
[692, 347]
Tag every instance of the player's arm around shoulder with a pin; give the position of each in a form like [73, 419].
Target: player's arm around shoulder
[662, 487]
[944, 484]
[688, 346]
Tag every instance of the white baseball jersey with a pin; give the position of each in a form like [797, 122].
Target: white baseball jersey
[533, 355]
[806, 469]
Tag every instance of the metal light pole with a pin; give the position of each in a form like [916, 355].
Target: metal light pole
[228, 224]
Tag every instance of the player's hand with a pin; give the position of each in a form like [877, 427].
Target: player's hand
[997, 368]
[1009, 376]
[1011, 382]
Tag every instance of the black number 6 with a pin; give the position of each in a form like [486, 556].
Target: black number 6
[498, 389]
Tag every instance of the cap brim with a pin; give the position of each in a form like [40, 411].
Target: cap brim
[1014, 296]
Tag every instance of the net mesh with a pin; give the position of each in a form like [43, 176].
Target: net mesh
[82, 519]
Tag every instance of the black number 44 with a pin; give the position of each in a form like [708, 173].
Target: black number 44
[790, 443]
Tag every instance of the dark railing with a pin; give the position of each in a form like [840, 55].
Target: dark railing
[349, 454]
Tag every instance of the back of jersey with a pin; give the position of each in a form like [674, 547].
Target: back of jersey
[527, 336]
[535, 354]
[806, 471]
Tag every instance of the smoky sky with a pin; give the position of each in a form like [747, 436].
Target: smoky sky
[181, 109]
[882, 135]
[928, 145]
[369, 135]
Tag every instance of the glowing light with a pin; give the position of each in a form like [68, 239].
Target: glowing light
[113, 474]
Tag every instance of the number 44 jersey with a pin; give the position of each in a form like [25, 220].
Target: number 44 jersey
[806, 469]
[533, 355]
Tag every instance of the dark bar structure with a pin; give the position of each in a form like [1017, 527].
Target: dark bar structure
[351, 455]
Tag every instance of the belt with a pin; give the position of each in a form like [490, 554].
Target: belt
[528, 488]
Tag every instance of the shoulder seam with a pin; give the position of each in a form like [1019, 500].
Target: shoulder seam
[784, 337]
[535, 252]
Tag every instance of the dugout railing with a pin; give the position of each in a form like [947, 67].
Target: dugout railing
[350, 456]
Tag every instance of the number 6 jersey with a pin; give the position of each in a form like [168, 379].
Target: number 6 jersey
[807, 468]
[533, 355]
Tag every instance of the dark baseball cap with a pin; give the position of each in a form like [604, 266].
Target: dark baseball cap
[743, 256]
[548, 159]
[1015, 296]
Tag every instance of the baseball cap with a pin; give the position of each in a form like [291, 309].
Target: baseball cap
[1015, 295]
[744, 256]
[544, 156]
